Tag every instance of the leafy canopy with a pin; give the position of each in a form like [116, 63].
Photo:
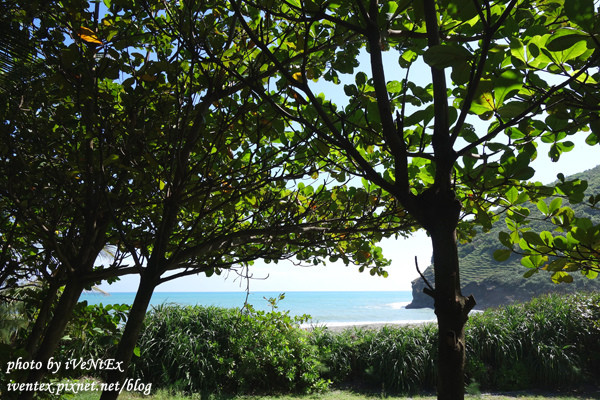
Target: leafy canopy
[506, 76]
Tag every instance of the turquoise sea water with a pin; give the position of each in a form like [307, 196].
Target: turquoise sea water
[331, 308]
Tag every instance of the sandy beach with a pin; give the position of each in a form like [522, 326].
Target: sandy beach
[341, 326]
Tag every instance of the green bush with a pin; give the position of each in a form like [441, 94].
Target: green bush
[93, 332]
[214, 350]
[551, 341]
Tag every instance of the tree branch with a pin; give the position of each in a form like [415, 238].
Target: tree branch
[442, 145]
[429, 290]
[504, 15]
[392, 136]
[473, 84]
[340, 141]
[474, 81]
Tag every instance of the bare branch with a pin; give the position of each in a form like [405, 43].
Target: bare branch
[429, 290]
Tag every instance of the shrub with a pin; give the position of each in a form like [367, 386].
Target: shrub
[552, 341]
[215, 350]
[93, 332]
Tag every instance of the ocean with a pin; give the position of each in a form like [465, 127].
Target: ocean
[325, 308]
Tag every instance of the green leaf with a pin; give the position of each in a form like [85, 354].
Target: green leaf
[526, 262]
[561, 243]
[543, 207]
[484, 100]
[361, 79]
[502, 254]
[592, 139]
[136, 351]
[461, 73]
[547, 238]
[350, 90]
[573, 52]
[557, 265]
[533, 238]
[507, 84]
[533, 261]
[504, 238]
[512, 195]
[535, 57]
[323, 148]
[468, 133]
[529, 273]
[390, 7]
[564, 39]
[517, 49]
[581, 12]
[590, 274]
[444, 56]
[512, 109]
[554, 206]
[562, 276]
[407, 58]
[579, 233]
[394, 87]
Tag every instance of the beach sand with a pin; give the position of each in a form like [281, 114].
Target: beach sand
[339, 327]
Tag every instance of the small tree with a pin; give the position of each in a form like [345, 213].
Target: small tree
[526, 68]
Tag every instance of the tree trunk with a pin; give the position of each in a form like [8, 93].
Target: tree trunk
[54, 332]
[451, 307]
[116, 378]
[41, 322]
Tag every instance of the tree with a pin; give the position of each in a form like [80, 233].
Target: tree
[54, 174]
[527, 68]
[136, 137]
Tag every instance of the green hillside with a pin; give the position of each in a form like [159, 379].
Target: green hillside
[495, 283]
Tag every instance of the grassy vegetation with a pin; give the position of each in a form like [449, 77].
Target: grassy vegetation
[340, 395]
[551, 343]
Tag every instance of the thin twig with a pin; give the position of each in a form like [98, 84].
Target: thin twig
[429, 290]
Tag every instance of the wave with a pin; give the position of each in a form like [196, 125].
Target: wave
[398, 305]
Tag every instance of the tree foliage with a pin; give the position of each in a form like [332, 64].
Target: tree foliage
[566, 242]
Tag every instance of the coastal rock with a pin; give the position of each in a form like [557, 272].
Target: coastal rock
[494, 292]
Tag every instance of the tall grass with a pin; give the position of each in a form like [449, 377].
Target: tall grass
[390, 359]
[551, 341]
